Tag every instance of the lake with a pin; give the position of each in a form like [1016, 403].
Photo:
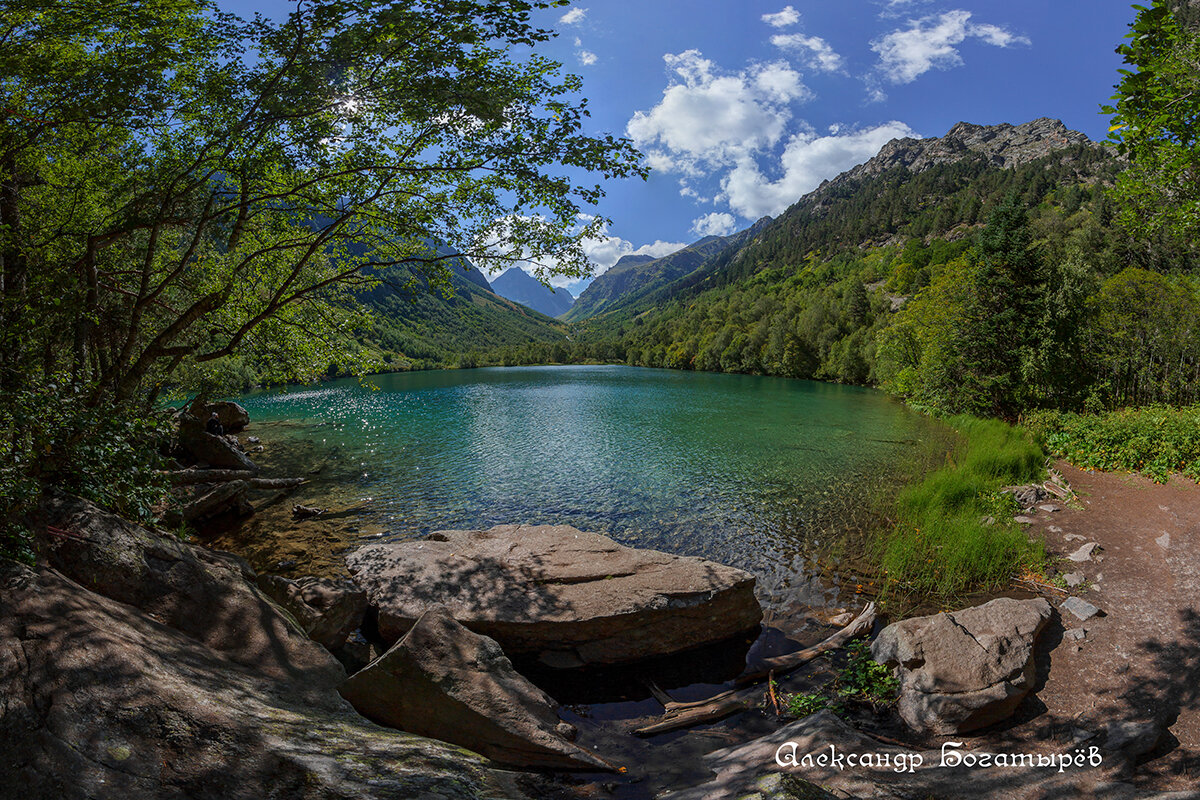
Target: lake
[769, 474]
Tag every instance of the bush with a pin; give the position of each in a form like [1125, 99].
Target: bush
[954, 531]
[57, 439]
[1155, 441]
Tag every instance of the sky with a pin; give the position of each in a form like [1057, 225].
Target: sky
[743, 106]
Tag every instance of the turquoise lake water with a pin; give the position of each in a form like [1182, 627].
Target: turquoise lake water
[753, 471]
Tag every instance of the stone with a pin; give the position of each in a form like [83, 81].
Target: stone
[1054, 529]
[101, 701]
[964, 670]
[1080, 608]
[1024, 520]
[328, 610]
[443, 681]
[557, 593]
[1073, 537]
[1133, 738]
[204, 594]
[842, 620]
[233, 417]
[1085, 552]
[1075, 635]
[1164, 541]
[1049, 508]
[1026, 496]
[1073, 579]
[216, 451]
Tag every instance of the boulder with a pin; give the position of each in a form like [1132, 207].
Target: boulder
[216, 451]
[98, 701]
[328, 610]
[557, 593]
[204, 594]
[447, 683]
[967, 669]
[232, 416]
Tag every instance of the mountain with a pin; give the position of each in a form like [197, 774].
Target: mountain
[636, 275]
[519, 286]
[416, 325]
[809, 293]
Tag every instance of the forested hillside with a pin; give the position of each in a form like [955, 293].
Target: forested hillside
[980, 272]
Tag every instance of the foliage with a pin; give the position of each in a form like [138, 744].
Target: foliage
[190, 196]
[954, 532]
[860, 680]
[1156, 124]
[1156, 441]
[801, 705]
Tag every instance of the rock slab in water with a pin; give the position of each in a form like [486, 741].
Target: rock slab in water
[101, 702]
[328, 610]
[447, 683]
[967, 669]
[560, 594]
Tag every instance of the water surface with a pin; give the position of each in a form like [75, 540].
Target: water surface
[763, 473]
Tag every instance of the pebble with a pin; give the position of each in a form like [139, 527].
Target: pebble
[1164, 541]
[1049, 508]
[1075, 634]
[1085, 553]
[1054, 529]
[1073, 579]
[1074, 537]
[1082, 609]
[1024, 520]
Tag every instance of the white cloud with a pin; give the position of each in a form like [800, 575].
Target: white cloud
[928, 43]
[573, 17]
[709, 118]
[606, 251]
[782, 19]
[587, 57]
[807, 160]
[717, 223]
[819, 53]
[894, 8]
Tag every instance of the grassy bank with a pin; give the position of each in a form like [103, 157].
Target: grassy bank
[954, 531]
[1155, 441]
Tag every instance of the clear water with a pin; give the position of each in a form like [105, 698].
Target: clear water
[758, 472]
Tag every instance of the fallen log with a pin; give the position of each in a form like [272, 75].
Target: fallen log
[229, 496]
[755, 673]
[188, 477]
[677, 715]
[276, 483]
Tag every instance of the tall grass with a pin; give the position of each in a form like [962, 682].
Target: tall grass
[1156, 440]
[954, 531]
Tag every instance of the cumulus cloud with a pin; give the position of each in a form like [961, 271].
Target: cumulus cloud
[818, 53]
[894, 8]
[717, 223]
[573, 17]
[608, 250]
[587, 57]
[782, 19]
[807, 160]
[930, 42]
[708, 118]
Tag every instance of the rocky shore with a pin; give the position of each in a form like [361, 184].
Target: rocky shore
[136, 665]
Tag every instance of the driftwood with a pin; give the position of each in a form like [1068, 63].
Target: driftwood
[276, 483]
[306, 512]
[229, 496]
[684, 715]
[187, 477]
[755, 673]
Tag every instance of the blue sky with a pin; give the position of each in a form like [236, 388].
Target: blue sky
[742, 106]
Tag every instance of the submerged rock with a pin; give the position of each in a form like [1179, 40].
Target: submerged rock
[557, 593]
[445, 682]
[967, 669]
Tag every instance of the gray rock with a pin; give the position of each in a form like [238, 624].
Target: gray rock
[967, 669]
[557, 593]
[1132, 738]
[1164, 541]
[1075, 635]
[328, 610]
[1050, 508]
[1080, 608]
[1073, 579]
[216, 451]
[1024, 520]
[447, 683]
[1027, 496]
[1054, 529]
[1085, 552]
[101, 702]
[232, 416]
[1073, 537]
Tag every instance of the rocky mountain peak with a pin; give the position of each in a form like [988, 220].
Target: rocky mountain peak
[1004, 144]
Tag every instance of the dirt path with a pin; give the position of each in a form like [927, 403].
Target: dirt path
[1141, 660]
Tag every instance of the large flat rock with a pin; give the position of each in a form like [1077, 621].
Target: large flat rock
[568, 597]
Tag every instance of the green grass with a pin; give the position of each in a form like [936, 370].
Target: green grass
[1155, 441]
[943, 543]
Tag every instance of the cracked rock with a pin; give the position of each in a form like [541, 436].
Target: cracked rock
[966, 669]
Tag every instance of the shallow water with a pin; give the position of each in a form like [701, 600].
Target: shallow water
[762, 473]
